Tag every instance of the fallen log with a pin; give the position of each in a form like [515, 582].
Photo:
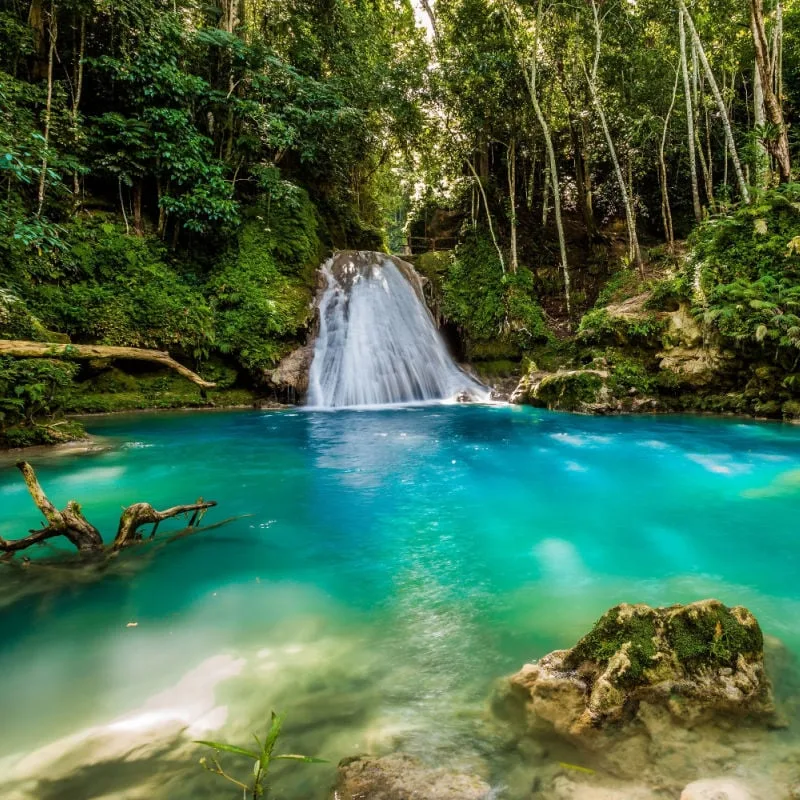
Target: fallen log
[24, 349]
[71, 523]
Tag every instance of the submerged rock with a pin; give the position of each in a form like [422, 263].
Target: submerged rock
[718, 789]
[646, 668]
[401, 777]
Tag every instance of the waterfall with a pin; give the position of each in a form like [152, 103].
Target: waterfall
[377, 342]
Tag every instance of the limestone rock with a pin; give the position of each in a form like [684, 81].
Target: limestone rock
[718, 789]
[401, 777]
[695, 366]
[290, 377]
[578, 390]
[690, 665]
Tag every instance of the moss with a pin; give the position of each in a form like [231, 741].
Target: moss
[498, 369]
[791, 409]
[711, 634]
[32, 435]
[621, 625]
[493, 350]
[116, 391]
[570, 391]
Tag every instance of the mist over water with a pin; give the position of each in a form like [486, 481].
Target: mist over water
[393, 565]
[377, 343]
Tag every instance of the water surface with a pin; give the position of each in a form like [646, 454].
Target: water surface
[392, 565]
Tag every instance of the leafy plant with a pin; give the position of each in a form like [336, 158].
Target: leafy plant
[262, 760]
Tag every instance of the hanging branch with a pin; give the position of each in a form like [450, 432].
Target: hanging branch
[71, 523]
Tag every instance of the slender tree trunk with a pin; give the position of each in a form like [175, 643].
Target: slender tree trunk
[76, 103]
[546, 195]
[687, 91]
[512, 198]
[743, 190]
[633, 238]
[762, 166]
[530, 80]
[48, 110]
[666, 211]
[136, 193]
[488, 214]
[779, 146]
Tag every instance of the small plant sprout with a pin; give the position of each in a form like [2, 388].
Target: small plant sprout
[262, 760]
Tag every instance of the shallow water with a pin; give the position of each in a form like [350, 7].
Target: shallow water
[393, 564]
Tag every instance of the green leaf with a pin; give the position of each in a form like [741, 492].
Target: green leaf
[229, 748]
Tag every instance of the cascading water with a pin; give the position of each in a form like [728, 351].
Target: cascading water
[377, 342]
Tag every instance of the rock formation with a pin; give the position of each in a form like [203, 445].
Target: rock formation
[699, 663]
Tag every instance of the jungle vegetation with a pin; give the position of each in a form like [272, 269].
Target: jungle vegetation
[173, 171]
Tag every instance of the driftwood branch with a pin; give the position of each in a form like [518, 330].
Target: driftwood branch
[71, 523]
[23, 349]
[140, 514]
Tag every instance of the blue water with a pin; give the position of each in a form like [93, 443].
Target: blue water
[392, 565]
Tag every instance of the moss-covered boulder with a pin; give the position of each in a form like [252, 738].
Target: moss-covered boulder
[695, 664]
[576, 390]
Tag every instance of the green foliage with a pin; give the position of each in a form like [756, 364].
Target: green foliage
[488, 305]
[628, 374]
[263, 292]
[749, 270]
[256, 786]
[32, 387]
[120, 290]
[598, 326]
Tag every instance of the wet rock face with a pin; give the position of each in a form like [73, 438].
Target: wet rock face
[643, 667]
[290, 377]
[401, 777]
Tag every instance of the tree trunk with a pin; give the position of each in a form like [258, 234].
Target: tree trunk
[778, 146]
[530, 80]
[762, 166]
[512, 198]
[136, 190]
[84, 352]
[666, 211]
[626, 199]
[52, 30]
[743, 190]
[687, 91]
[76, 103]
[488, 214]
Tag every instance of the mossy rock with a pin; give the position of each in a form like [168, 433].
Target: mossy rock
[791, 410]
[700, 663]
[569, 391]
